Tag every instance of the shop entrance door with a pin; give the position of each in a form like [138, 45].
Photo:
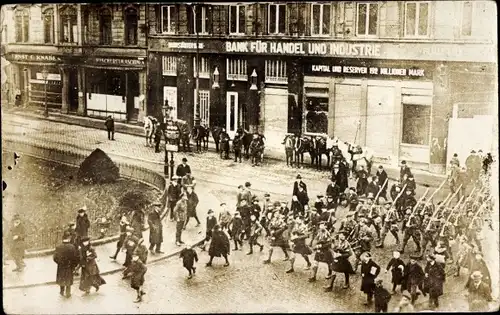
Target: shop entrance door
[72, 90]
[232, 116]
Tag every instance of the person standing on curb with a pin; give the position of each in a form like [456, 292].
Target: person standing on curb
[110, 127]
[180, 212]
[192, 203]
[66, 257]
[174, 194]
[155, 229]
[17, 245]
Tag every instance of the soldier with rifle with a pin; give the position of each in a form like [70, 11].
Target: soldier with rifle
[364, 238]
[411, 225]
[342, 250]
[389, 224]
[322, 252]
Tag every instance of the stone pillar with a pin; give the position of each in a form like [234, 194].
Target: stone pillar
[65, 89]
[79, 24]
[143, 110]
[56, 24]
[82, 92]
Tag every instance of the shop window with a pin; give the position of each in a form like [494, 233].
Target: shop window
[168, 15]
[68, 25]
[416, 19]
[237, 69]
[105, 19]
[204, 68]
[277, 18]
[198, 20]
[237, 19]
[320, 20]
[416, 124]
[204, 108]
[367, 19]
[48, 26]
[22, 26]
[169, 65]
[466, 25]
[131, 20]
[276, 72]
[316, 111]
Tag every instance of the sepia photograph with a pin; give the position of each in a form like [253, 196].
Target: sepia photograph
[250, 157]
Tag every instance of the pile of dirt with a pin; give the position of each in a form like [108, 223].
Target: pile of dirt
[98, 168]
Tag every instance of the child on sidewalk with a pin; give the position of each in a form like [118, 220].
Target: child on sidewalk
[189, 256]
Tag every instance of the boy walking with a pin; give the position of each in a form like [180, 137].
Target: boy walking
[189, 256]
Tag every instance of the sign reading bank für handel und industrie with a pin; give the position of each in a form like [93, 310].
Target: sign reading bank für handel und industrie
[318, 69]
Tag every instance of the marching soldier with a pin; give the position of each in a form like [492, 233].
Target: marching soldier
[255, 229]
[407, 199]
[352, 199]
[314, 220]
[299, 235]
[278, 227]
[411, 229]
[411, 185]
[342, 250]
[349, 226]
[323, 253]
[430, 234]
[382, 176]
[390, 224]
[364, 237]
[265, 210]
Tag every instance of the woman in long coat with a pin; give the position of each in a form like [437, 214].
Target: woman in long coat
[219, 246]
[90, 271]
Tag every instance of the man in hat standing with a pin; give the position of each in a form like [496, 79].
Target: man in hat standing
[413, 277]
[17, 243]
[155, 229]
[192, 203]
[362, 182]
[244, 210]
[174, 194]
[473, 164]
[405, 170]
[382, 177]
[124, 224]
[434, 280]
[110, 127]
[369, 271]
[478, 264]
[302, 196]
[247, 193]
[183, 169]
[352, 199]
[298, 182]
[82, 224]
[237, 229]
[478, 293]
[339, 175]
[66, 257]
[180, 212]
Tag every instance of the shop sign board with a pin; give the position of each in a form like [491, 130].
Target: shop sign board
[348, 70]
[35, 58]
[117, 61]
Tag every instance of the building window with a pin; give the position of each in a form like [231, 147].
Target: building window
[367, 19]
[316, 111]
[237, 69]
[277, 18]
[237, 19]
[320, 20]
[68, 22]
[466, 26]
[416, 124]
[276, 72]
[22, 26]
[204, 106]
[169, 65]
[105, 27]
[168, 14]
[131, 20]
[48, 26]
[198, 20]
[86, 30]
[204, 68]
[417, 19]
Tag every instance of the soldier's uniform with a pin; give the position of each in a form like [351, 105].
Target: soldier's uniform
[364, 238]
[348, 226]
[314, 219]
[376, 219]
[299, 245]
[411, 228]
[362, 211]
[429, 235]
[352, 199]
[390, 223]
[277, 228]
[341, 253]
[322, 253]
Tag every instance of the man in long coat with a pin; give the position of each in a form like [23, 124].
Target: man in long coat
[155, 229]
[478, 294]
[180, 212]
[414, 275]
[17, 243]
[369, 271]
[82, 224]
[66, 257]
[192, 203]
[174, 194]
[434, 280]
[219, 246]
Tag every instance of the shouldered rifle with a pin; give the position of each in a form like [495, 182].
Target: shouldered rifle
[416, 207]
[451, 213]
[444, 205]
[398, 196]
[432, 196]
[478, 211]
[376, 197]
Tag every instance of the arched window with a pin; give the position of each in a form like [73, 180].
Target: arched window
[68, 23]
[131, 21]
[48, 26]
[22, 25]
[105, 26]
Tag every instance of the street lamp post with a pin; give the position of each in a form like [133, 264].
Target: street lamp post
[172, 135]
[45, 75]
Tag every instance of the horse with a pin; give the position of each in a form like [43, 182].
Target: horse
[149, 129]
[289, 143]
[237, 145]
[200, 136]
[224, 147]
[303, 144]
[320, 149]
[184, 135]
[216, 132]
[356, 156]
[256, 148]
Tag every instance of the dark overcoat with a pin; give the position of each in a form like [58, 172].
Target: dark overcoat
[397, 272]
[414, 275]
[219, 245]
[82, 225]
[192, 202]
[90, 271]
[189, 256]
[479, 296]
[67, 257]
[155, 228]
[480, 265]
[435, 279]
[369, 271]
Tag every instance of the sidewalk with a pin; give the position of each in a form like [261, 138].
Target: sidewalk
[42, 270]
[422, 177]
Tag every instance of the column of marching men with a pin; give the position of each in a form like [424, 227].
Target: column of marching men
[309, 229]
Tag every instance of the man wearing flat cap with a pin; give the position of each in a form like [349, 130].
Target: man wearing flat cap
[434, 280]
[404, 172]
[478, 293]
[174, 194]
[183, 169]
[298, 182]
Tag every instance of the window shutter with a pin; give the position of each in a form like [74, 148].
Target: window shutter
[209, 19]
[190, 20]
[264, 19]
[227, 26]
[307, 19]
